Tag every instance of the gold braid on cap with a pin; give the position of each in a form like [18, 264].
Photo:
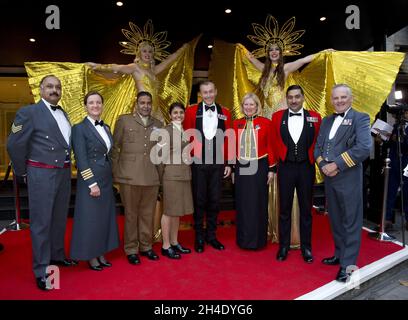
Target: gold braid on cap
[270, 34]
[137, 37]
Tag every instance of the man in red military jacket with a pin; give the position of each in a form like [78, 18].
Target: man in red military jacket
[210, 153]
[294, 134]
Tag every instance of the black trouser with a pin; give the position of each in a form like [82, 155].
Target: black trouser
[299, 176]
[207, 188]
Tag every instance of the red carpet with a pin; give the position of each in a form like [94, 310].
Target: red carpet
[233, 274]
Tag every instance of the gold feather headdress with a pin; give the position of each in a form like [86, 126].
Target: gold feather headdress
[137, 37]
[270, 34]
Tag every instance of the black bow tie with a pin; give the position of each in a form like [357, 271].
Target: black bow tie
[339, 114]
[55, 107]
[212, 108]
[99, 123]
[294, 114]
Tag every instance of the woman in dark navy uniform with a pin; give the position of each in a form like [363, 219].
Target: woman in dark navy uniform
[253, 173]
[95, 230]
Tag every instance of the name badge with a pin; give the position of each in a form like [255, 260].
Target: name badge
[222, 117]
[347, 122]
[199, 116]
[312, 119]
[154, 128]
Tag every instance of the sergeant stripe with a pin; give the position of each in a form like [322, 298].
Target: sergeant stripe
[15, 128]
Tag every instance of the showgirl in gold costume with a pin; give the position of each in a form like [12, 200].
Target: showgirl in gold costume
[168, 81]
[371, 75]
[147, 48]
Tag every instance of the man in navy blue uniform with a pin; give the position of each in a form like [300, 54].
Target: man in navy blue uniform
[39, 148]
[343, 143]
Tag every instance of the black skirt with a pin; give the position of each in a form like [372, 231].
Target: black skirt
[251, 201]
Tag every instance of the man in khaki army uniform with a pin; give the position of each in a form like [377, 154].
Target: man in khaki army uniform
[137, 176]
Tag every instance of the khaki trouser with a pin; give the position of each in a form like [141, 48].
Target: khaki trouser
[140, 204]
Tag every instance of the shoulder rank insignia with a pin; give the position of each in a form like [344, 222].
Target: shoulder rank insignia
[15, 128]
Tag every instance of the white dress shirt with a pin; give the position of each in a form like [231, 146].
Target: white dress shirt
[336, 124]
[63, 123]
[210, 122]
[144, 119]
[102, 133]
[295, 125]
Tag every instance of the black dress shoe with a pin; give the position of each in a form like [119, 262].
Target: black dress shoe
[150, 254]
[216, 244]
[64, 263]
[307, 255]
[199, 246]
[331, 261]
[133, 259]
[95, 268]
[171, 253]
[105, 263]
[282, 254]
[342, 275]
[42, 283]
[180, 249]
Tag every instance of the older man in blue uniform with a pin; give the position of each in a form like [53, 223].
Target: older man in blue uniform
[39, 148]
[343, 143]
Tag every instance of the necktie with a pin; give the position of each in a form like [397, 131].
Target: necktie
[55, 107]
[99, 123]
[339, 114]
[212, 108]
[294, 114]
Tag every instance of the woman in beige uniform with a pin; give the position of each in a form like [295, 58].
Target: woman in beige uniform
[177, 195]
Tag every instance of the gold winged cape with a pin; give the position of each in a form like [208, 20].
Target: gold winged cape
[369, 74]
[119, 91]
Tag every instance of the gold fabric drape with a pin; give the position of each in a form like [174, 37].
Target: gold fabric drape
[119, 91]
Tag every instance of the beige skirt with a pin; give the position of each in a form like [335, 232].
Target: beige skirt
[177, 198]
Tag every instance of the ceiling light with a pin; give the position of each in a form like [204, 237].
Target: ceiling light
[322, 18]
[32, 40]
[119, 3]
[398, 95]
[228, 10]
[210, 46]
